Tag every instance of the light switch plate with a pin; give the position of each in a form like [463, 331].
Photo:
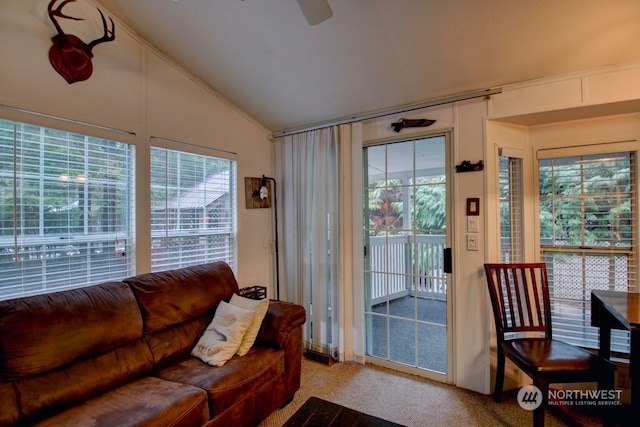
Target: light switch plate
[472, 242]
[472, 224]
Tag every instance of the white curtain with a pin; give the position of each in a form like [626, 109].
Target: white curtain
[314, 176]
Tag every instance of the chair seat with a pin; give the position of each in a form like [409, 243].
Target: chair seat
[548, 356]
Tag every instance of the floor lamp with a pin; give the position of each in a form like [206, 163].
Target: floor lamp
[264, 190]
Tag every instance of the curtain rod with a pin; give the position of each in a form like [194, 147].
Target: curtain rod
[175, 141]
[64, 119]
[382, 113]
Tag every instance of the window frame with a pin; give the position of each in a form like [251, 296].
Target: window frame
[138, 244]
[618, 337]
[97, 242]
[158, 238]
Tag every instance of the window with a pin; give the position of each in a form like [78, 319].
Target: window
[193, 209]
[66, 210]
[511, 195]
[588, 237]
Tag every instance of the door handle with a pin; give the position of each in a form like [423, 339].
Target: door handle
[447, 260]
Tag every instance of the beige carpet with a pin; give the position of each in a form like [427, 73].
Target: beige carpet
[411, 400]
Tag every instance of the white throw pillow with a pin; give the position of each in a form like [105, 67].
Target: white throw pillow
[223, 336]
[259, 308]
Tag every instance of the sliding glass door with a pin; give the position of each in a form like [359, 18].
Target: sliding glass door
[405, 194]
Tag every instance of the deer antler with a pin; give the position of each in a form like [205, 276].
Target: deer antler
[109, 34]
[58, 12]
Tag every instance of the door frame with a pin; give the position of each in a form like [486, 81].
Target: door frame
[450, 238]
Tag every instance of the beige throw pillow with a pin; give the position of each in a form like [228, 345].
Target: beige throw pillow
[223, 336]
[259, 308]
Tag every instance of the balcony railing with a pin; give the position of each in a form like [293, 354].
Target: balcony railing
[402, 265]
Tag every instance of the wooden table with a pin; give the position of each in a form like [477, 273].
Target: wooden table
[619, 310]
[318, 412]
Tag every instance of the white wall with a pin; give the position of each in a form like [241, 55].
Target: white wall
[135, 95]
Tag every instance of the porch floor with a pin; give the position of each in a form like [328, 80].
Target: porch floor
[398, 337]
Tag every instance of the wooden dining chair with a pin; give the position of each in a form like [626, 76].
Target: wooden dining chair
[521, 307]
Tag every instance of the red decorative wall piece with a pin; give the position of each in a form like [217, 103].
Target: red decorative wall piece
[70, 56]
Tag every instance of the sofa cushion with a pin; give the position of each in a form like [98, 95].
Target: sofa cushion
[223, 336]
[176, 343]
[168, 298]
[9, 412]
[259, 308]
[238, 378]
[40, 394]
[45, 332]
[145, 402]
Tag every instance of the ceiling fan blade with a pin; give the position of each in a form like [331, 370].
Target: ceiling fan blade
[315, 11]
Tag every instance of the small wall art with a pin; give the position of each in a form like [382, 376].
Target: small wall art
[473, 206]
[255, 196]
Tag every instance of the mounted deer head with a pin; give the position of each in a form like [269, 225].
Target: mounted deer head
[70, 56]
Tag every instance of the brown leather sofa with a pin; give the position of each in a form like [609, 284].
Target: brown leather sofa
[118, 354]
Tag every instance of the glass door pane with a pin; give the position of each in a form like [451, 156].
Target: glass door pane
[405, 235]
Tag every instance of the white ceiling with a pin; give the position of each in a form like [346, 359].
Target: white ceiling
[373, 55]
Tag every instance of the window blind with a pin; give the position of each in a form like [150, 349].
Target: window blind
[511, 198]
[193, 209]
[588, 237]
[66, 210]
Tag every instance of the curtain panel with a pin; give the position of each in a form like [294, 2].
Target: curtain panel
[314, 172]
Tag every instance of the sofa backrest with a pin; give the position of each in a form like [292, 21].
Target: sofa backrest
[177, 305]
[61, 348]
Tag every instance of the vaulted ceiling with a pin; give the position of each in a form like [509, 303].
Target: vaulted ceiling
[372, 55]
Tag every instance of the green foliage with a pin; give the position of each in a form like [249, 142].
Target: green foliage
[585, 201]
[430, 204]
[426, 201]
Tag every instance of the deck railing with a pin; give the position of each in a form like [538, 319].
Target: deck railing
[402, 265]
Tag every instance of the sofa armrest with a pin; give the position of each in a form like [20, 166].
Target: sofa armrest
[282, 329]
[281, 318]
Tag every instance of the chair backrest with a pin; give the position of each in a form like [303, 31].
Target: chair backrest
[520, 300]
